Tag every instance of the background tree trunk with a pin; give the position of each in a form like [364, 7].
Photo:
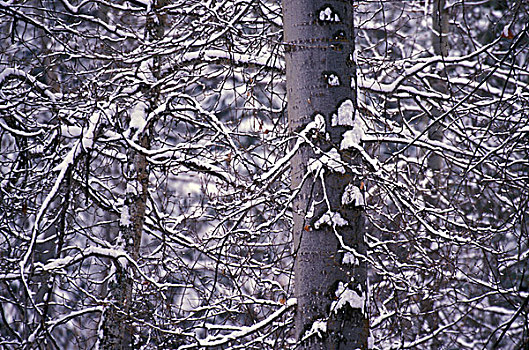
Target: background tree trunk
[439, 40]
[328, 240]
[118, 329]
[440, 47]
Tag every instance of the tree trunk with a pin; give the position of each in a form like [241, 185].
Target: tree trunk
[440, 48]
[330, 266]
[117, 330]
[440, 28]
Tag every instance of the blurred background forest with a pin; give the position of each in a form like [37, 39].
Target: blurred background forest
[145, 186]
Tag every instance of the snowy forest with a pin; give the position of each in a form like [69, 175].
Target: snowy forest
[264, 174]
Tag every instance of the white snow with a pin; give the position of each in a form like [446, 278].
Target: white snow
[505, 32]
[345, 114]
[75, 314]
[100, 330]
[314, 165]
[133, 186]
[71, 131]
[19, 132]
[352, 195]
[325, 219]
[219, 340]
[352, 138]
[310, 212]
[125, 217]
[332, 219]
[68, 160]
[27, 77]
[319, 123]
[214, 55]
[327, 14]
[350, 259]
[319, 327]
[32, 337]
[88, 135]
[137, 117]
[347, 296]
[333, 80]
[145, 71]
[331, 160]
[519, 92]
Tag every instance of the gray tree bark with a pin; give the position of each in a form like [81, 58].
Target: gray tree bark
[330, 266]
[440, 47]
[116, 326]
[440, 28]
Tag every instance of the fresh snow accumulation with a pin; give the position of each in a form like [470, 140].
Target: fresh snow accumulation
[320, 327]
[347, 296]
[138, 117]
[71, 131]
[314, 165]
[506, 31]
[333, 80]
[352, 195]
[351, 138]
[332, 219]
[133, 186]
[68, 159]
[125, 216]
[350, 259]
[344, 115]
[331, 160]
[327, 14]
[310, 212]
[319, 123]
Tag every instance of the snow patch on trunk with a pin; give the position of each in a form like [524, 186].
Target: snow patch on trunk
[352, 196]
[330, 160]
[327, 14]
[319, 327]
[125, 217]
[354, 137]
[346, 296]
[138, 120]
[331, 219]
[350, 259]
[344, 115]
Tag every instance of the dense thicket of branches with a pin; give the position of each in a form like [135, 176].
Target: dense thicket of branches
[143, 145]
